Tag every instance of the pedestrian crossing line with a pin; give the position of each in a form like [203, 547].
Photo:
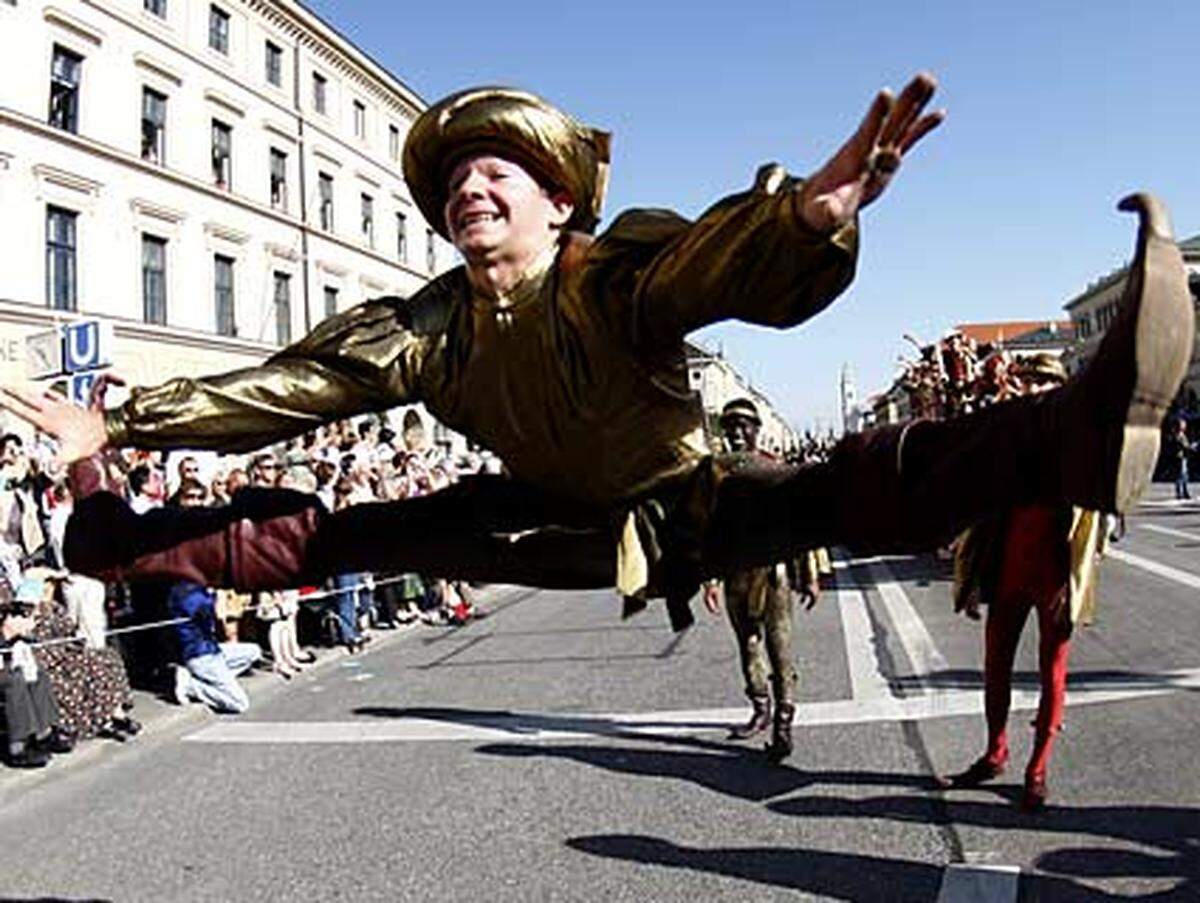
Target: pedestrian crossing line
[923, 654]
[1170, 531]
[1162, 570]
[555, 726]
[866, 677]
[970, 883]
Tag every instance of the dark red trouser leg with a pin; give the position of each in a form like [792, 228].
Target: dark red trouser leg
[1054, 647]
[274, 539]
[898, 488]
[1002, 634]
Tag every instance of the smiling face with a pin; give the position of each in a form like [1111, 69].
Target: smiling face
[495, 210]
[741, 433]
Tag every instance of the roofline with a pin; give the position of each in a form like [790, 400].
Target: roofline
[1097, 287]
[341, 43]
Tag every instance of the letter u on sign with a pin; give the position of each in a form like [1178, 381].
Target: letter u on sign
[85, 346]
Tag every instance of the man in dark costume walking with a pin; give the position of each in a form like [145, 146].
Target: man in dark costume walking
[759, 603]
[563, 353]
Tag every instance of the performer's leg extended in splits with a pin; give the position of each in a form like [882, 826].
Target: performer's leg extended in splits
[1092, 444]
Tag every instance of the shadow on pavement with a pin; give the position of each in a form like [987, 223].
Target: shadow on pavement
[1175, 831]
[522, 723]
[840, 876]
[736, 771]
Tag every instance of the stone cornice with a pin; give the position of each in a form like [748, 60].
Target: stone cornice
[38, 315]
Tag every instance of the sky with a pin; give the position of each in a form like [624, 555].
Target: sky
[1056, 110]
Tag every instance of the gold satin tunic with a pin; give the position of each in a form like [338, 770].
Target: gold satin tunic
[577, 379]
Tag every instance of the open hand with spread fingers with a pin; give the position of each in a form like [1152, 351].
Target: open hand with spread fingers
[79, 431]
[864, 166]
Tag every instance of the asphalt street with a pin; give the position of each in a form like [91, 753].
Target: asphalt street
[555, 752]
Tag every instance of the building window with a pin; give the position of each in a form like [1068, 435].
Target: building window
[222, 154]
[394, 142]
[154, 279]
[283, 308]
[430, 251]
[278, 179]
[65, 71]
[331, 301]
[156, 7]
[319, 85]
[402, 237]
[223, 295]
[154, 126]
[368, 220]
[218, 29]
[360, 119]
[325, 192]
[61, 273]
[274, 60]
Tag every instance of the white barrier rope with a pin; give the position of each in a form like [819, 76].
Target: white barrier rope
[172, 622]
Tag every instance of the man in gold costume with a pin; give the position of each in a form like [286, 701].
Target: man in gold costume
[563, 353]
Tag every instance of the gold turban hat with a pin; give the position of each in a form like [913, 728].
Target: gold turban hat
[558, 150]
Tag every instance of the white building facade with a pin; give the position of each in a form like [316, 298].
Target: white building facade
[212, 178]
[1094, 309]
[717, 383]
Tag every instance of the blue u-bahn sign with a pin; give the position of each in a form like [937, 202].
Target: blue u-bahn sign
[75, 350]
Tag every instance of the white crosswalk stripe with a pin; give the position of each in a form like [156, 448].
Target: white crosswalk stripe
[1170, 531]
[918, 645]
[866, 676]
[1155, 567]
[968, 883]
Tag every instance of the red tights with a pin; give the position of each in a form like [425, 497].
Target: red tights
[1005, 620]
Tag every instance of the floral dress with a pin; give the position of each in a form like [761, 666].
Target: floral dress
[88, 683]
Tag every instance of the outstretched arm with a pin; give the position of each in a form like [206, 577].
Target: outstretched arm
[780, 253]
[362, 360]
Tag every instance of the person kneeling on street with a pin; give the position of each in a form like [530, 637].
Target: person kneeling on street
[210, 670]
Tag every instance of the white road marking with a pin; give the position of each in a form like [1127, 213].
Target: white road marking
[966, 883]
[1170, 531]
[1167, 503]
[866, 677]
[554, 726]
[1162, 570]
[918, 645]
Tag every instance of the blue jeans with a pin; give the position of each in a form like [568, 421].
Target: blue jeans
[214, 677]
[1181, 481]
[346, 605]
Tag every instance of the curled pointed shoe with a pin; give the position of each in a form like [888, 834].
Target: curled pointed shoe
[760, 720]
[1033, 797]
[980, 772]
[1110, 415]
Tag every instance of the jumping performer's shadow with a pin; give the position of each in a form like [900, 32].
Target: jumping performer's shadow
[737, 771]
[841, 876]
[1173, 830]
[732, 769]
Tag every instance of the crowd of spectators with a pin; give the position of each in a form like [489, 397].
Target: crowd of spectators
[64, 676]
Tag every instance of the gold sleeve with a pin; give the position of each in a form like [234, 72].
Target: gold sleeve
[749, 257]
[365, 359]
